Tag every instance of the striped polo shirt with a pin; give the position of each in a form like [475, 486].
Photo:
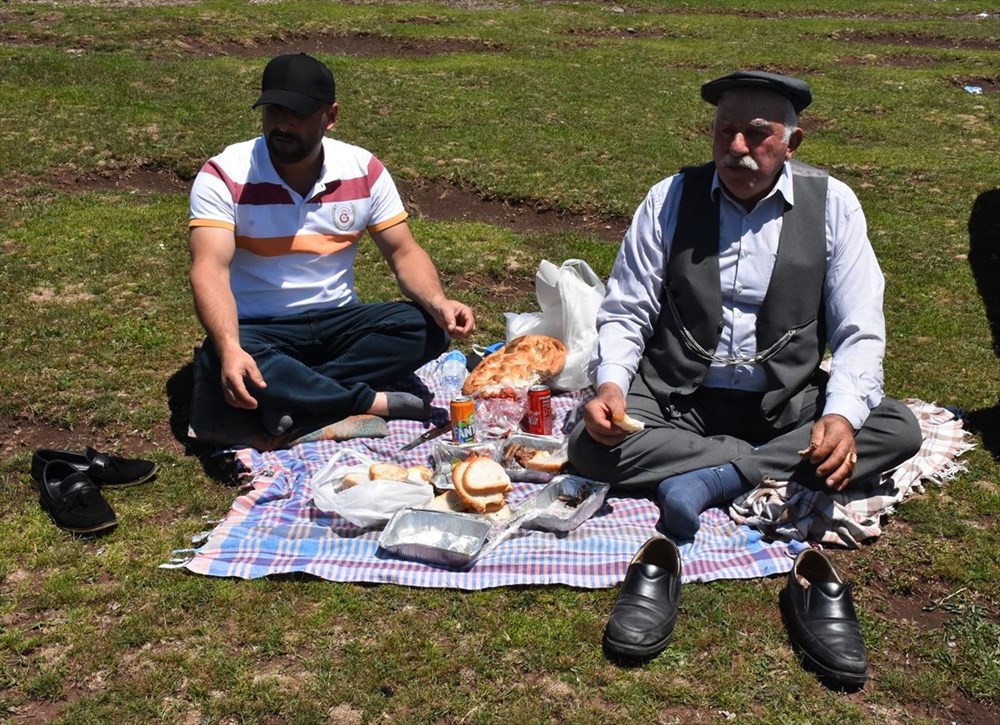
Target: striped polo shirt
[294, 254]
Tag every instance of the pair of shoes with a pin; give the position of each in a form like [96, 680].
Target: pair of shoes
[643, 617]
[104, 469]
[822, 624]
[73, 500]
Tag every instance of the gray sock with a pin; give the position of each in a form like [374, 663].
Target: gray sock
[406, 406]
[275, 422]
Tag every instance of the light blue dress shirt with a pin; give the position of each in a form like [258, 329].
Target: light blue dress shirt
[748, 246]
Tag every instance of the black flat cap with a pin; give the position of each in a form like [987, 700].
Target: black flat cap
[796, 91]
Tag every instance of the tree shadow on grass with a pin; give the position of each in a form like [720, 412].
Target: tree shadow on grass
[984, 260]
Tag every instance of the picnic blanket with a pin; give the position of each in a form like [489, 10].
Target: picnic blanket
[274, 527]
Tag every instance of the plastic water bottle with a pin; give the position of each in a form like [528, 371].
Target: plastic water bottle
[453, 373]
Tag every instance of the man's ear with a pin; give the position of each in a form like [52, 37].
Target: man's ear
[334, 108]
[794, 140]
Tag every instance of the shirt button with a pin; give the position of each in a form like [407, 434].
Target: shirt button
[739, 288]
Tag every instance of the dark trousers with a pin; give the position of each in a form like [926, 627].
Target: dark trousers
[715, 427]
[327, 365]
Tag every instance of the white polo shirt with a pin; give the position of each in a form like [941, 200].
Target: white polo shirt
[294, 253]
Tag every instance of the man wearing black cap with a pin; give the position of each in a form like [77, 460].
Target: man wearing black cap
[275, 225]
[731, 282]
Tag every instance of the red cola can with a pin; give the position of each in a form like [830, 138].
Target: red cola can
[539, 418]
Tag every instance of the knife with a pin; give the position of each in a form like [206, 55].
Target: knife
[427, 436]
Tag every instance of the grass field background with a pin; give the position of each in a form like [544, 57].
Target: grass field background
[108, 109]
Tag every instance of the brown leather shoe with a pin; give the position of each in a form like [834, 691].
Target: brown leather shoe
[643, 617]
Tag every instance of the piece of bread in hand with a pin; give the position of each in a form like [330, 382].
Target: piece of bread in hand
[547, 461]
[387, 472]
[627, 423]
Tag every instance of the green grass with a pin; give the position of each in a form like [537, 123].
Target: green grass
[556, 105]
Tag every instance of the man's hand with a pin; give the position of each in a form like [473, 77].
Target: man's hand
[236, 368]
[832, 446]
[599, 414]
[456, 318]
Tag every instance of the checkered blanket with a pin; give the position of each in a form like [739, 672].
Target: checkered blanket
[786, 510]
[275, 528]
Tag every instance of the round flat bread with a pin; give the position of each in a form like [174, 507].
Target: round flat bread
[525, 361]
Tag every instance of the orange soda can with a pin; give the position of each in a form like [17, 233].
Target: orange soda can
[463, 422]
[539, 418]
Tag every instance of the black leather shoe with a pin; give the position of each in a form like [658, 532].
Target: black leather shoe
[643, 617]
[822, 624]
[74, 501]
[102, 468]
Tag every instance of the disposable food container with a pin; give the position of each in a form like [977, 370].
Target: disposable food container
[529, 442]
[562, 505]
[435, 537]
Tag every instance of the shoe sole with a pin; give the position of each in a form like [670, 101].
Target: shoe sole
[622, 651]
[830, 676]
[129, 484]
[91, 530]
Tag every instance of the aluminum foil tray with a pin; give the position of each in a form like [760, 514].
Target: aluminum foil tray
[562, 505]
[515, 470]
[435, 537]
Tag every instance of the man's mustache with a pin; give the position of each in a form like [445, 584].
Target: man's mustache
[740, 162]
[282, 136]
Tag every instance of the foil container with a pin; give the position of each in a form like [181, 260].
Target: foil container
[445, 453]
[518, 472]
[565, 503]
[435, 537]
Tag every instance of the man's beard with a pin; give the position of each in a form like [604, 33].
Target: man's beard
[293, 150]
[740, 162]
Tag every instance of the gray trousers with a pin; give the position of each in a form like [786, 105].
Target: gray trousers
[713, 427]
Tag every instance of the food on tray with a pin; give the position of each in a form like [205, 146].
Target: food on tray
[527, 456]
[627, 423]
[525, 361]
[480, 484]
[447, 501]
[547, 461]
[387, 472]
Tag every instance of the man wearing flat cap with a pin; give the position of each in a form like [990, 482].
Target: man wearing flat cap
[275, 227]
[732, 281]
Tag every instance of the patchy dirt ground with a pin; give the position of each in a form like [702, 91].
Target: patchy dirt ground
[440, 200]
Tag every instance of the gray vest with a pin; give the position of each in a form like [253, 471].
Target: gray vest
[794, 298]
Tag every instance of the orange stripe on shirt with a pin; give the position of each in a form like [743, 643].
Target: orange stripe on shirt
[388, 222]
[299, 244]
[214, 223]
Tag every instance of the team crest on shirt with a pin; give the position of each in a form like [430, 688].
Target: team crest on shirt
[344, 216]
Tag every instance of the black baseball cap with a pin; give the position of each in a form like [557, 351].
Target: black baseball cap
[297, 81]
[796, 91]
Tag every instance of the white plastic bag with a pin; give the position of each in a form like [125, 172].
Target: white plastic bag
[569, 296]
[368, 504]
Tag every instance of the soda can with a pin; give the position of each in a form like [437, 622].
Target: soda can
[539, 418]
[463, 421]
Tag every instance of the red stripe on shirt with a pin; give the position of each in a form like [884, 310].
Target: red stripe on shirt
[256, 194]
